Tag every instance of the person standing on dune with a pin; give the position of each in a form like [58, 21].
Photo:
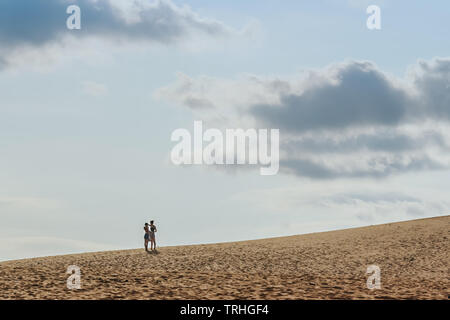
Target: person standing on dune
[152, 235]
[146, 236]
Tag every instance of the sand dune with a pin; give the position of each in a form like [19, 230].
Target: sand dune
[413, 257]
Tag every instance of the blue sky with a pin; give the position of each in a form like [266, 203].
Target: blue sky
[86, 120]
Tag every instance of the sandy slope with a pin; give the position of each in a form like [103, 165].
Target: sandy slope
[413, 257]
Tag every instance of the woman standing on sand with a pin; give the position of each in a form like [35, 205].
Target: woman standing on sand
[146, 236]
[152, 236]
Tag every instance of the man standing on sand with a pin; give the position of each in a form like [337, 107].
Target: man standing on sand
[152, 236]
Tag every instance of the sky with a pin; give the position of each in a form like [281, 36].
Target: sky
[86, 117]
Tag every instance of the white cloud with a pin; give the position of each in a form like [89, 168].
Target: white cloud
[94, 88]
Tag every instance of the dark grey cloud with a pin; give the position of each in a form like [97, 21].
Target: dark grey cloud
[349, 120]
[382, 140]
[432, 80]
[195, 103]
[362, 96]
[35, 23]
[31, 22]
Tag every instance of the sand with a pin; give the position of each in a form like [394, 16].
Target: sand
[413, 258]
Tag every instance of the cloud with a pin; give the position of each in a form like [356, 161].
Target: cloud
[432, 80]
[94, 89]
[38, 23]
[352, 204]
[353, 94]
[373, 206]
[376, 167]
[358, 94]
[350, 119]
[381, 140]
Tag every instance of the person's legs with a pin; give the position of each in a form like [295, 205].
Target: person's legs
[152, 242]
[146, 238]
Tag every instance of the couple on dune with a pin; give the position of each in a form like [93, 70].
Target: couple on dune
[150, 235]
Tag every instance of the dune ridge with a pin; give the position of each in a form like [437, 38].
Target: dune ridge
[412, 255]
